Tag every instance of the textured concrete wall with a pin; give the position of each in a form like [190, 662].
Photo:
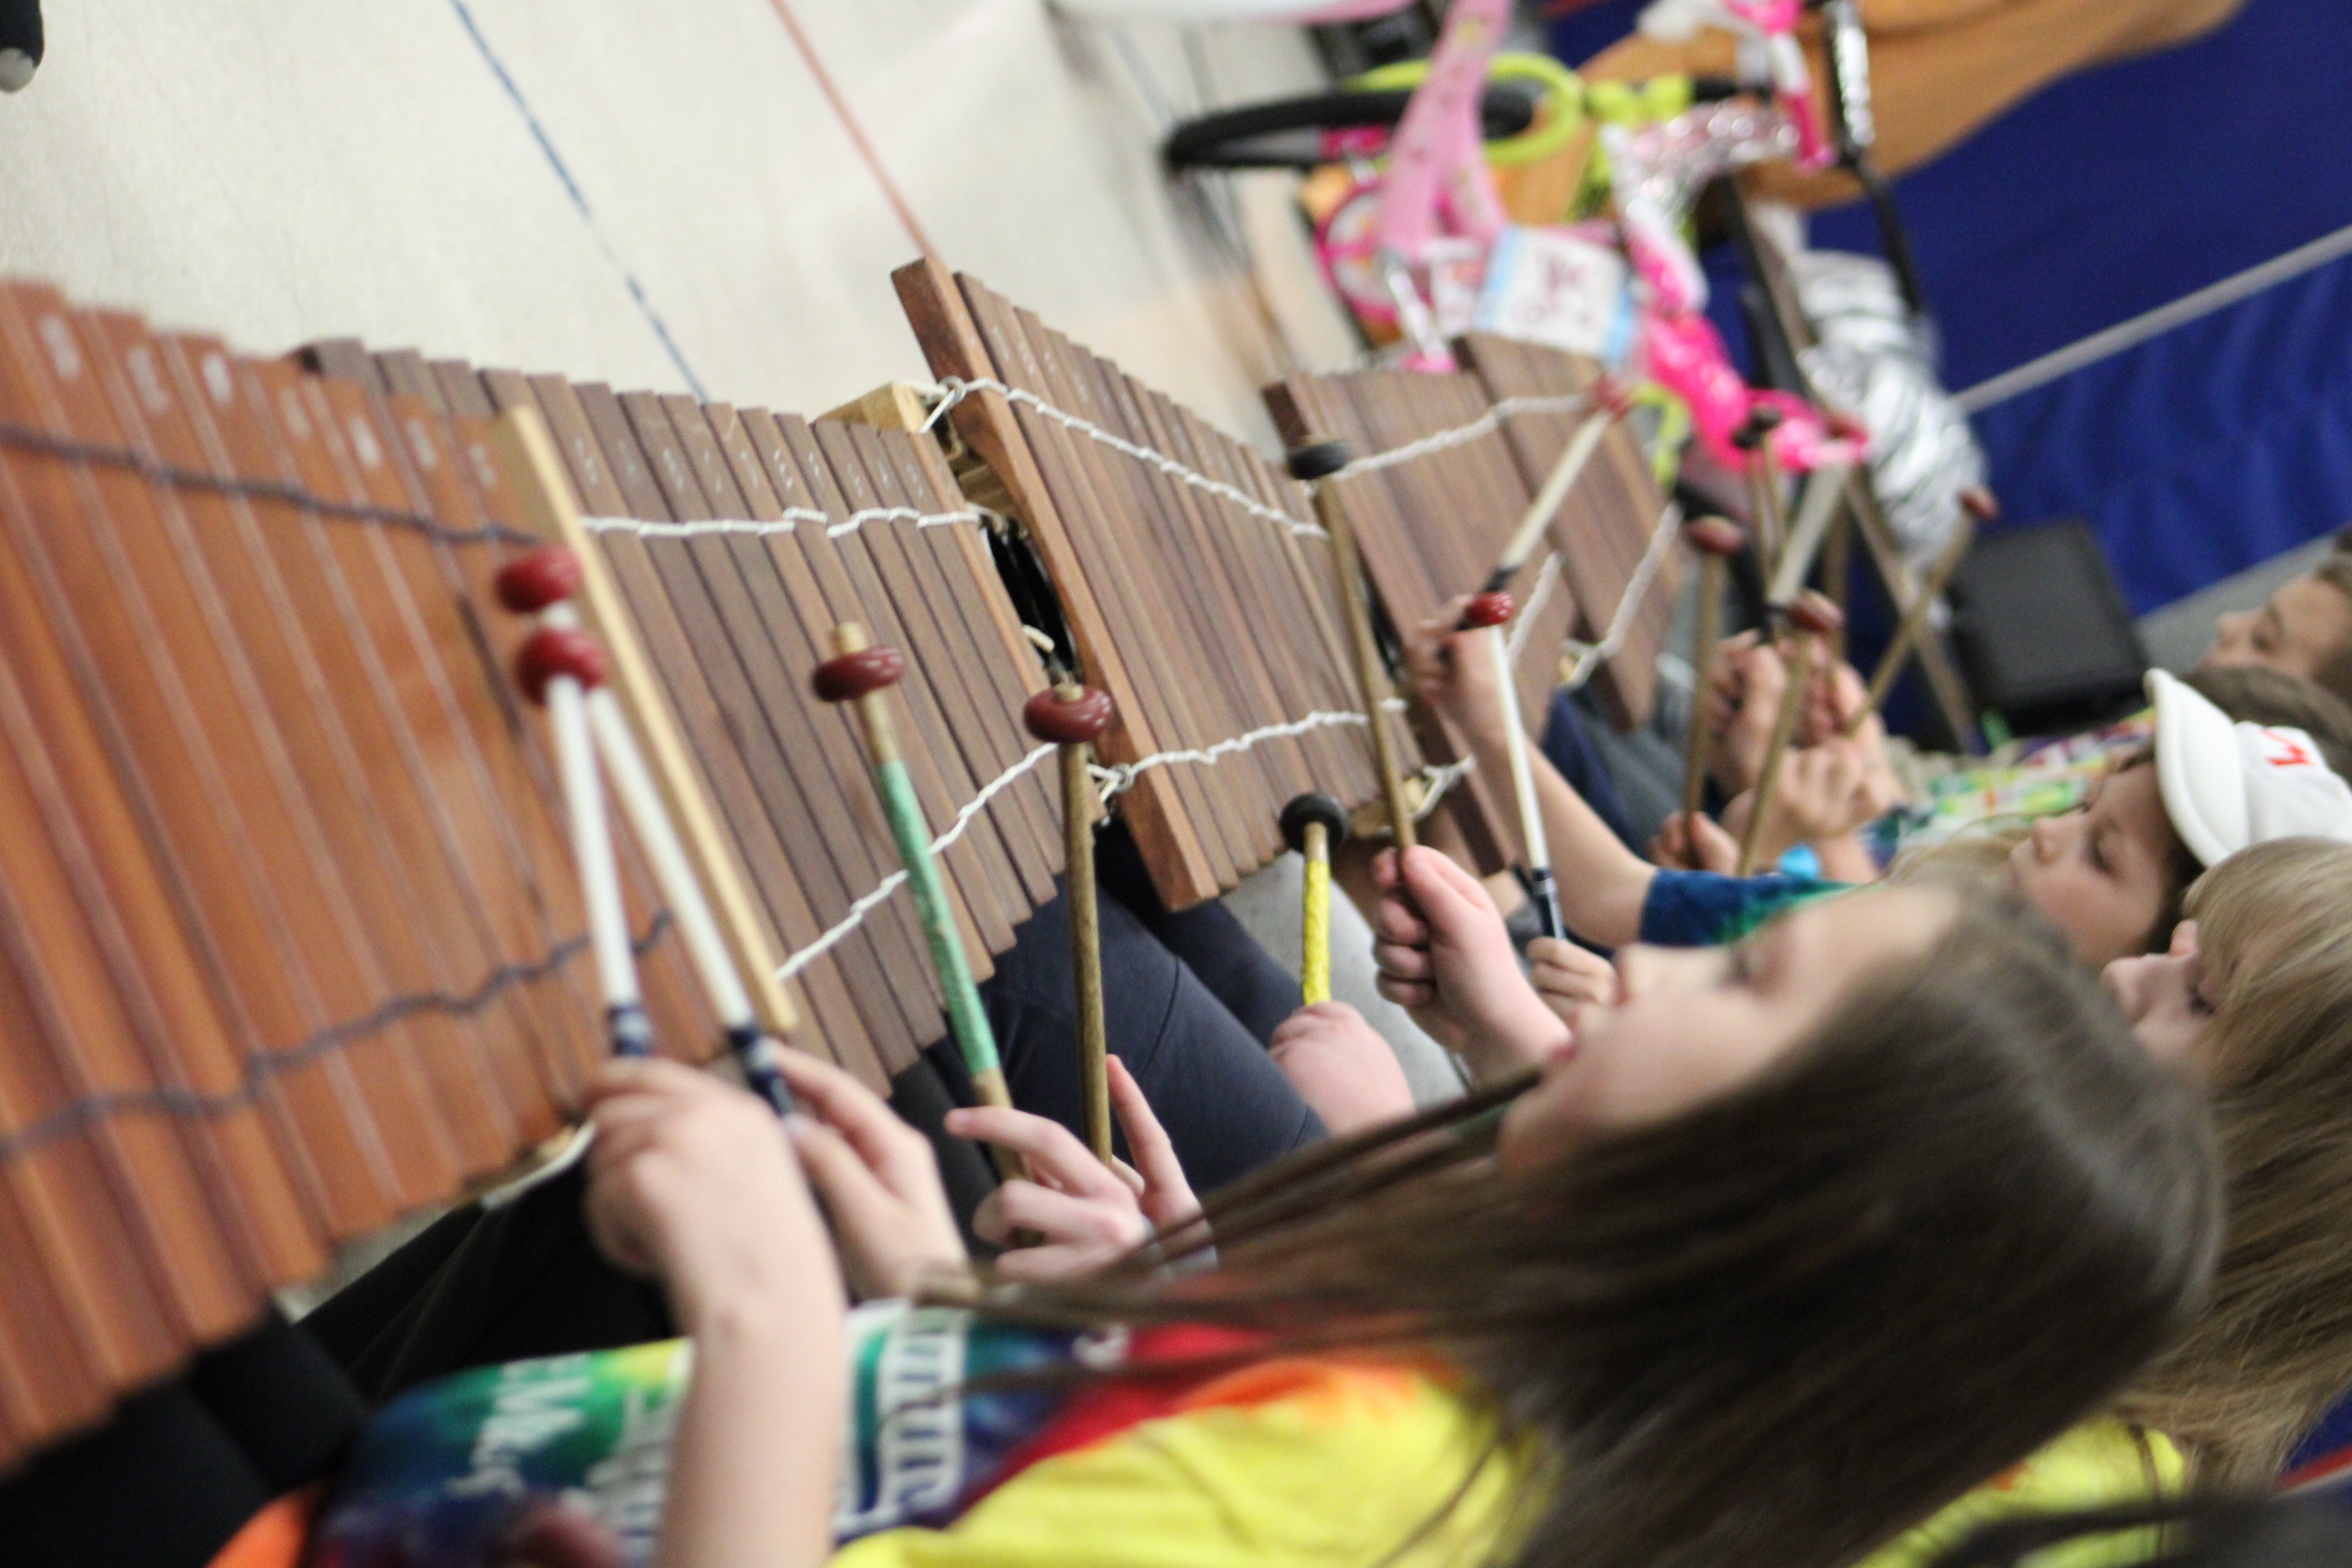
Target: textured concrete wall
[278, 170]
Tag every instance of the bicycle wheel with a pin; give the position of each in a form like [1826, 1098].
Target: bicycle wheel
[1288, 133]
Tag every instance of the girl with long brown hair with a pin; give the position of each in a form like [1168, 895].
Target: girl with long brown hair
[1805, 1237]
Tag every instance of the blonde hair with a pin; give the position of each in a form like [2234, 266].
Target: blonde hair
[2253, 1374]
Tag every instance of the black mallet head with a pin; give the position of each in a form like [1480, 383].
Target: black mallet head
[1316, 461]
[1312, 807]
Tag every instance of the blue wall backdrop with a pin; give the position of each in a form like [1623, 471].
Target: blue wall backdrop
[2116, 192]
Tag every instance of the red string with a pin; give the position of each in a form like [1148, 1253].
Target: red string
[890, 191]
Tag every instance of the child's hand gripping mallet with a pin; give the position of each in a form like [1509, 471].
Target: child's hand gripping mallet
[1716, 540]
[1313, 464]
[543, 581]
[1315, 825]
[1755, 438]
[1072, 717]
[1493, 612]
[861, 673]
[1810, 618]
[1977, 506]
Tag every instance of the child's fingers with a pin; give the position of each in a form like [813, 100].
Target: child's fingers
[1711, 847]
[620, 1077]
[851, 1108]
[1019, 1206]
[1054, 1152]
[1402, 961]
[1450, 898]
[1156, 1164]
[1410, 995]
[840, 1175]
[1394, 919]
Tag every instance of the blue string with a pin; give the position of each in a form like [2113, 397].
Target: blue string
[578, 199]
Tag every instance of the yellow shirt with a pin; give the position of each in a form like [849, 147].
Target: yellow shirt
[1327, 1463]
[2100, 1464]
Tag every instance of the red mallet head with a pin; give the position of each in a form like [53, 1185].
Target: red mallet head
[546, 575]
[846, 677]
[1811, 612]
[1715, 536]
[1318, 460]
[552, 651]
[1070, 721]
[1487, 610]
[1981, 504]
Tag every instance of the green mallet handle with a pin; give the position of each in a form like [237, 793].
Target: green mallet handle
[862, 674]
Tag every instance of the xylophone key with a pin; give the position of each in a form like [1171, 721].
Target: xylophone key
[1155, 603]
[1003, 659]
[399, 587]
[830, 859]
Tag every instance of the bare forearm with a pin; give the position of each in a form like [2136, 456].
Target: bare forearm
[751, 1474]
[1846, 858]
[1602, 883]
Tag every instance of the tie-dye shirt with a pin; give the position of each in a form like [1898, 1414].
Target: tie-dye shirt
[1706, 909]
[1174, 1462]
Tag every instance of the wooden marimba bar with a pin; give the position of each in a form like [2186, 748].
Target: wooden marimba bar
[1606, 524]
[739, 539]
[1431, 527]
[291, 943]
[1194, 584]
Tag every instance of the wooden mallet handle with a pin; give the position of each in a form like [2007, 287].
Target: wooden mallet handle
[1810, 618]
[1716, 540]
[1755, 438]
[861, 673]
[1311, 464]
[1072, 717]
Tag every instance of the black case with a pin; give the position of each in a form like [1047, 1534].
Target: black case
[2044, 632]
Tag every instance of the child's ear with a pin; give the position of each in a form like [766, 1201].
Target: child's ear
[20, 43]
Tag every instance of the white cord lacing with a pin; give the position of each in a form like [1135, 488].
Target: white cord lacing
[1590, 657]
[1112, 781]
[1486, 423]
[756, 528]
[955, 389]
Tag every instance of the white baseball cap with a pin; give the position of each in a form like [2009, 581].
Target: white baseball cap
[2228, 786]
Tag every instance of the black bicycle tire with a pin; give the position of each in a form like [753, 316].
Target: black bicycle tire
[1221, 140]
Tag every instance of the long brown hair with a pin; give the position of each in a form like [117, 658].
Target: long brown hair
[1782, 1326]
[2275, 929]
[2335, 671]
